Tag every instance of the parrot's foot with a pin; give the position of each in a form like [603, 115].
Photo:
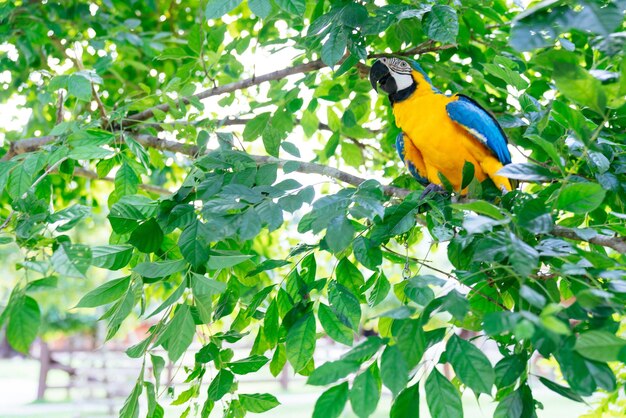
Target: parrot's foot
[432, 188]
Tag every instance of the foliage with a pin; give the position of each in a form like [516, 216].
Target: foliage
[116, 92]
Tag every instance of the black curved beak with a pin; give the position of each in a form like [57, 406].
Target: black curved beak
[380, 75]
[377, 73]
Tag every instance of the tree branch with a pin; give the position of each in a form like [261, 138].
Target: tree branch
[427, 46]
[616, 243]
[81, 172]
[32, 144]
[229, 88]
[303, 166]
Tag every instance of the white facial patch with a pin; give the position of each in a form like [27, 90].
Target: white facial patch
[403, 81]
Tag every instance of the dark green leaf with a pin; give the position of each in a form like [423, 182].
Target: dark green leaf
[470, 365]
[442, 397]
[332, 402]
[301, 342]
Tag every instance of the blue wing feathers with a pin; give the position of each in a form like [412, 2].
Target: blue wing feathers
[481, 124]
[409, 164]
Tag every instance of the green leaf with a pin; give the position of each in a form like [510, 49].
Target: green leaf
[71, 260]
[193, 244]
[580, 197]
[334, 327]
[179, 333]
[379, 291]
[156, 269]
[147, 237]
[258, 402]
[367, 254]
[278, 360]
[468, 174]
[339, 234]
[261, 8]
[332, 402]
[271, 140]
[126, 181]
[509, 369]
[301, 342]
[23, 323]
[267, 265]
[394, 370]
[345, 305]
[111, 257]
[335, 46]
[255, 126]
[512, 406]
[217, 262]
[128, 211]
[220, 385]
[600, 345]
[364, 351]
[442, 397]
[296, 7]
[332, 371]
[105, 293]
[19, 182]
[248, 365]
[442, 24]
[218, 8]
[365, 394]
[480, 207]
[455, 303]
[79, 87]
[407, 404]
[561, 390]
[350, 277]
[579, 86]
[526, 171]
[131, 405]
[470, 365]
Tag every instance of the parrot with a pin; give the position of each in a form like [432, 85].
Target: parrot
[440, 133]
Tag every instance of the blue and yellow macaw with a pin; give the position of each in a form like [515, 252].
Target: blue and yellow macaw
[440, 133]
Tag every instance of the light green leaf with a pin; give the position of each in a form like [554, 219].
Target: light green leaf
[580, 197]
[394, 370]
[261, 8]
[23, 323]
[218, 8]
[156, 269]
[105, 293]
[258, 402]
[600, 345]
[79, 87]
[217, 262]
[111, 257]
